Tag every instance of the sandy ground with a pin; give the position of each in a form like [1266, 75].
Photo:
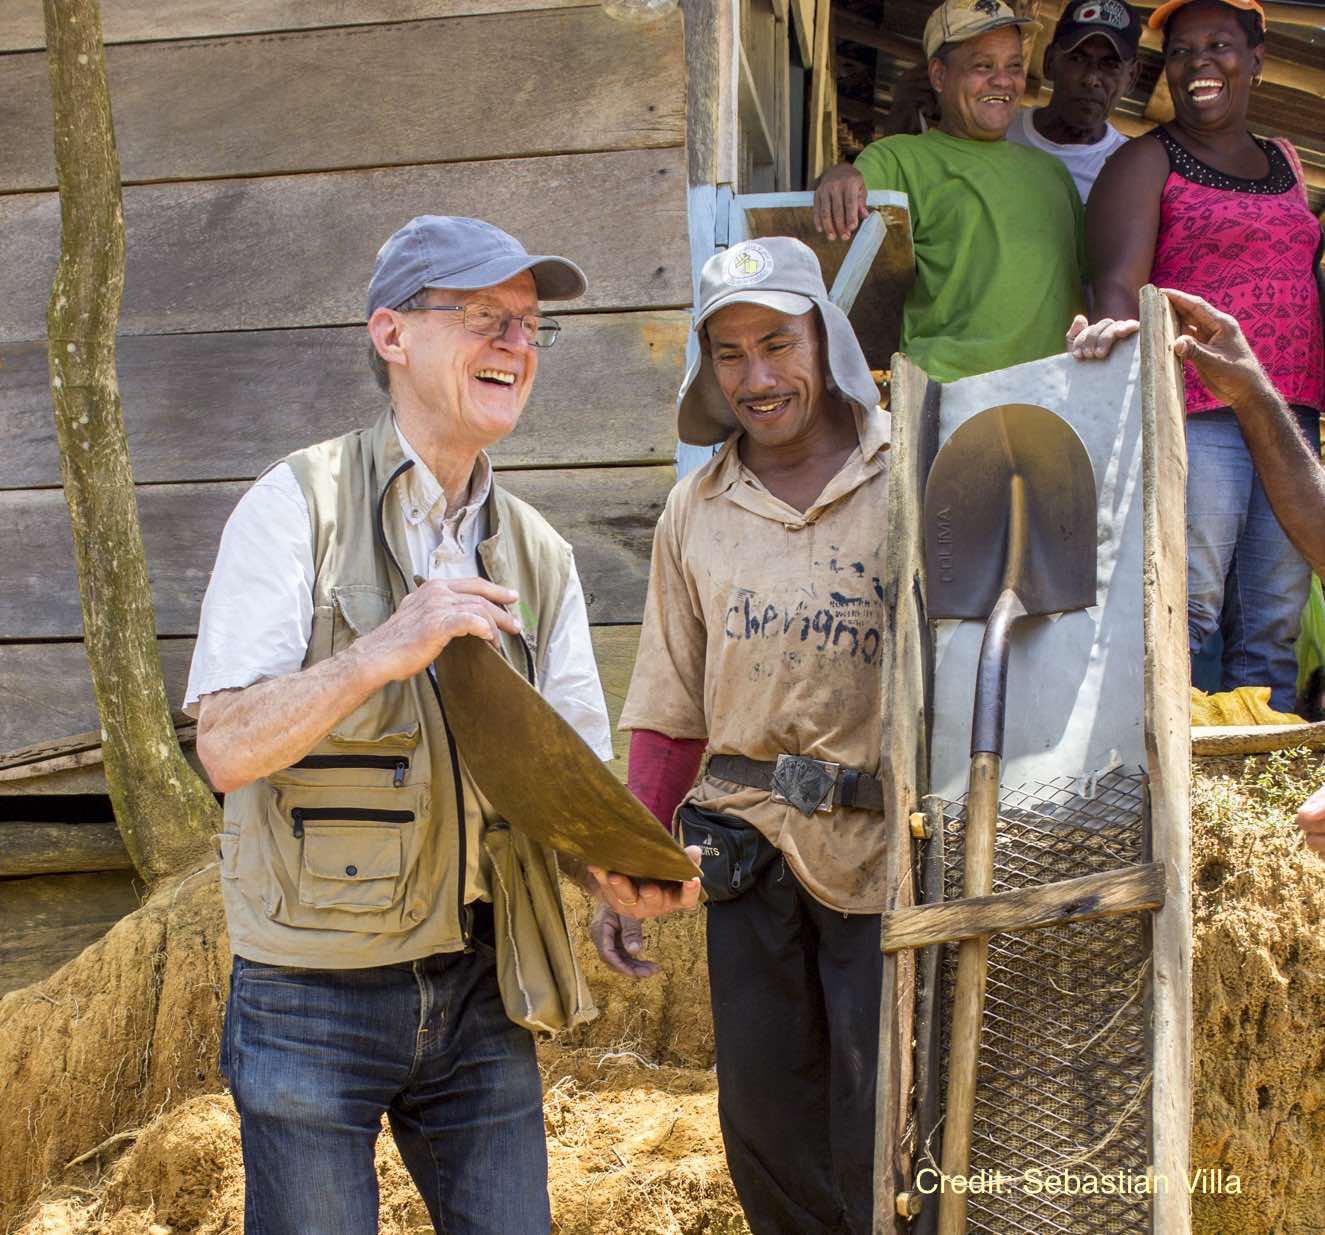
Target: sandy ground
[630, 1104]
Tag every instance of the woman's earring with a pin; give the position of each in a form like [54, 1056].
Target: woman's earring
[1256, 81]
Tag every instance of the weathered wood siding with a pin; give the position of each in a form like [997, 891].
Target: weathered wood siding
[267, 150]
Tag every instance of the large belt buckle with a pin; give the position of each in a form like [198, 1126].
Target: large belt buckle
[805, 783]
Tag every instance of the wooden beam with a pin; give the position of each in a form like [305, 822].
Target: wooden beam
[904, 660]
[1126, 890]
[703, 84]
[1215, 741]
[876, 316]
[857, 30]
[819, 86]
[1167, 711]
[802, 12]
[60, 848]
[728, 169]
[220, 406]
[754, 124]
[91, 757]
[1048, 19]
[261, 115]
[782, 105]
[138, 21]
[284, 251]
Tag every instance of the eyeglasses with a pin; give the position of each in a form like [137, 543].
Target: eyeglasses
[491, 322]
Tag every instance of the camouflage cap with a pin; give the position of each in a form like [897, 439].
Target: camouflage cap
[955, 21]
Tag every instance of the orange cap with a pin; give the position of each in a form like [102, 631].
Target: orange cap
[1165, 11]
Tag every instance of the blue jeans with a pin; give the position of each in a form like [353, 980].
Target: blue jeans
[314, 1059]
[1244, 578]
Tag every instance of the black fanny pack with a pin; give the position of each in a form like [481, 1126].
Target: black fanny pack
[731, 852]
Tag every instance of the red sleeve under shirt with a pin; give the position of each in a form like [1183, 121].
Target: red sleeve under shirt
[662, 769]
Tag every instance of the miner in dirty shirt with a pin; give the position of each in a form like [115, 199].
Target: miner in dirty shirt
[760, 647]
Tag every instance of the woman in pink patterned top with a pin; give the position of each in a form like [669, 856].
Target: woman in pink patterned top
[1204, 206]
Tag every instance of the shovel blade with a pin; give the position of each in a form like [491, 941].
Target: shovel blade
[538, 773]
[967, 507]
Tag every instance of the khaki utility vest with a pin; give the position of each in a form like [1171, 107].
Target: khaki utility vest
[355, 856]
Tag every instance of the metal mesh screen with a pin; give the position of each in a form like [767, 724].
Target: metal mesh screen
[1064, 1077]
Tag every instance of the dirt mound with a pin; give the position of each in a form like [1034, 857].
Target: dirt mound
[127, 1028]
[629, 1147]
[1258, 979]
[111, 1042]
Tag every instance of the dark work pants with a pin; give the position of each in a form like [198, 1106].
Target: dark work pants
[795, 990]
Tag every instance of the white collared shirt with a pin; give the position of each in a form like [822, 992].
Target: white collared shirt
[257, 614]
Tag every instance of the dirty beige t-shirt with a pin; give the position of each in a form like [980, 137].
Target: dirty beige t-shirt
[761, 633]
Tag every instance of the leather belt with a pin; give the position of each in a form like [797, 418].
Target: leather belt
[809, 785]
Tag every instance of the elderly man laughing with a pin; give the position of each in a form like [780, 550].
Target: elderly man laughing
[394, 942]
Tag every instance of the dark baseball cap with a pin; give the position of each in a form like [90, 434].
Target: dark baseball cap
[451, 251]
[1116, 20]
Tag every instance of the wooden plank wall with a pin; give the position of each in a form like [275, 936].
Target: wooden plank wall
[268, 147]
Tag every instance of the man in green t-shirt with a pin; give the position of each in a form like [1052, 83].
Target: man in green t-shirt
[997, 227]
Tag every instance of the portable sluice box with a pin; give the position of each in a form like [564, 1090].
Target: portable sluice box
[1035, 1037]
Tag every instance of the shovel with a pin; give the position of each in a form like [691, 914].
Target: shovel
[1010, 519]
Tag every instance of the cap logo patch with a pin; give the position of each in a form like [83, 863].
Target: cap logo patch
[1101, 13]
[747, 263]
[991, 7]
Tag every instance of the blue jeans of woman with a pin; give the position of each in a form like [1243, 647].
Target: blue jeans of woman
[1244, 578]
[316, 1057]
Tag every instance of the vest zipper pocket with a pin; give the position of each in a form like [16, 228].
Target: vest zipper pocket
[299, 815]
[398, 763]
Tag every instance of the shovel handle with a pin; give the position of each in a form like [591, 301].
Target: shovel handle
[991, 680]
[968, 1003]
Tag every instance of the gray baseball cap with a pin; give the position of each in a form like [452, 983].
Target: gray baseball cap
[780, 273]
[435, 250]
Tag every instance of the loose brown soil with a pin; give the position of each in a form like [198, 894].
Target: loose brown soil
[124, 1040]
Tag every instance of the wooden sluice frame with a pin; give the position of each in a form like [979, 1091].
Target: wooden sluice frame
[908, 1082]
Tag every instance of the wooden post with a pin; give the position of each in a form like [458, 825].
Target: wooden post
[929, 1017]
[822, 67]
[707, 46]
[1167, 729]
[905, 659]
